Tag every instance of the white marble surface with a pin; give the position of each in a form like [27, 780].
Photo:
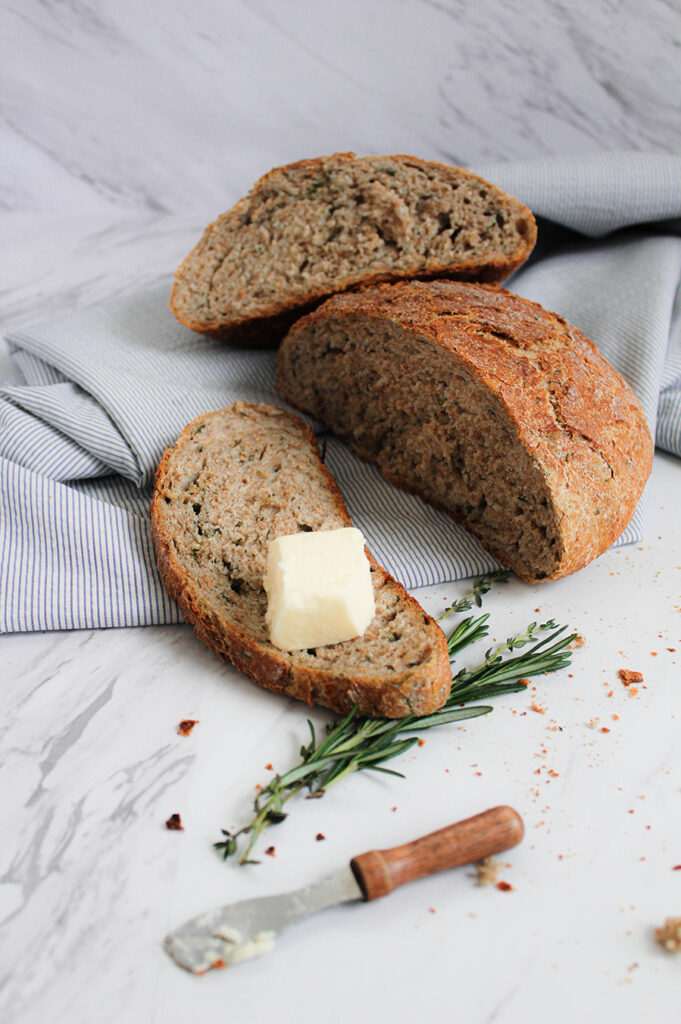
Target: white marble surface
[123, 128]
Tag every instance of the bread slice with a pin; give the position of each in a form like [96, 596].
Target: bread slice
[486, 405]
[234, 480]
[318, 227]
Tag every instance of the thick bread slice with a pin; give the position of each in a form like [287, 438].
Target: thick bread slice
[313, 228]
[484, 404]
[236, 479]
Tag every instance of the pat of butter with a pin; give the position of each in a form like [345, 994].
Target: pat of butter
[319, 588]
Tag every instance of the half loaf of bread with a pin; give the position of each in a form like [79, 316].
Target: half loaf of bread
[487, 406]
[317, 227]
[233, 481]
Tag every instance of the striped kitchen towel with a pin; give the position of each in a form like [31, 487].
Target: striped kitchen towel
[106, 389]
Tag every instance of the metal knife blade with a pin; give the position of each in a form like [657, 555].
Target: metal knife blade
[241, 931]
[245, 930]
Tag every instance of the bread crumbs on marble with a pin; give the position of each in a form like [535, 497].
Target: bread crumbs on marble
[487, 871]
[186, 725]
[629, 676]
[669, 935]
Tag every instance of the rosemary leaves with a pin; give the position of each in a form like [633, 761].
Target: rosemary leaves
[366, 744]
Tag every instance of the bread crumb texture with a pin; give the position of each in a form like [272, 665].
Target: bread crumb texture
[669, 935]
[236, 479]
[486, 405]
[317, 227]
[487, 871]
[629, 676]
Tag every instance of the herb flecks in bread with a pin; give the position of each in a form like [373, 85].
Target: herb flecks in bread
[486, 405]
[317, 227]
[234, 480]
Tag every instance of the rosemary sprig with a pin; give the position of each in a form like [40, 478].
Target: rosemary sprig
[481, 586]
[365, 744]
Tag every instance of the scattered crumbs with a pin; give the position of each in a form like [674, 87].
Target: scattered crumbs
[628, 676]
[677, 867]
[271, 851]
[669, 935]
[478, 773]
[504, 886]
[431, 910]
[186, 726]
[672, 650]
[604, 728]
[174, 823]
[268, 767]
[320, 836]
[393, 808]
[487, 871]
[632, 967]
[538, 708]
[592, 723]
[422, 742]
[615, 718]
[633, 690]
[653, 655]
[578, 641]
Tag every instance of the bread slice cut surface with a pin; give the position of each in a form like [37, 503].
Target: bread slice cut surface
[236, 479]
[487, 406]
[317, 227]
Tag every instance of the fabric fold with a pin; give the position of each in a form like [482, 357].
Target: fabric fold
[106, 390]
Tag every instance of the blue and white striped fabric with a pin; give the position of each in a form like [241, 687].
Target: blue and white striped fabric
[108, 388]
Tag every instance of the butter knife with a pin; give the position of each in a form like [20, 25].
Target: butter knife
[241, 931]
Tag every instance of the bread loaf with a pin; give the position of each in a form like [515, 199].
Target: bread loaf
[487, 406]
[234, 480]
[317, 227]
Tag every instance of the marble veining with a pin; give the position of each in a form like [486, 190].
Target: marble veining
[125, 128]
[153, 108]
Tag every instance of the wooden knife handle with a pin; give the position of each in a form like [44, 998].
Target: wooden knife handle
[380, 871]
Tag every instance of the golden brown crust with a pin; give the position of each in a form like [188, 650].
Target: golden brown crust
[420, 690]
[577, 417]
[267, 330]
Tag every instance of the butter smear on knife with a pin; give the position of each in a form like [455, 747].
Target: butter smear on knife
[319, 589]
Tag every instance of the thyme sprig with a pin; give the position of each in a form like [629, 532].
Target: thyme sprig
[358, 743]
